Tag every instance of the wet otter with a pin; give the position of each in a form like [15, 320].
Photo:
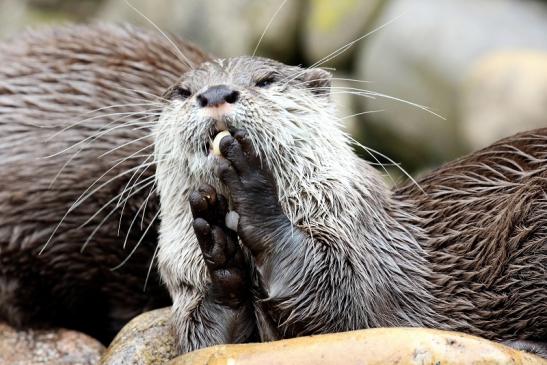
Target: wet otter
[326, 246]
[330, 247]
[76, 93]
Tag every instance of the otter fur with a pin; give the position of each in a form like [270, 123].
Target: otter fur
[322, 243]
[59, 87]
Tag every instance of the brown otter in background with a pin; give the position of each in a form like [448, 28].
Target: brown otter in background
[58, 87]
[331, 247]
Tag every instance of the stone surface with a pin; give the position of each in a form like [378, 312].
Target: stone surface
[345, 103]
[16, 15]
[329, 25]
[146, 340]
[47, 347]
[505, 93]
[425, 53]
[225, 28]
[373, 346]
[13, 13]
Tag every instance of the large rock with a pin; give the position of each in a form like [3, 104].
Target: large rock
[505, 93]
[51, 347]
[381, 346]
[329, 25]
[225, 28]
[12, 14]
[145, 340]
[345, 104]
[425, 54]
[17, 15]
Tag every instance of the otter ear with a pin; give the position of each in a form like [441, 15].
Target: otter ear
[318, 81]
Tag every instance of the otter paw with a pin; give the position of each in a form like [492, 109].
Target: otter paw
[220, 248]
[251, 183]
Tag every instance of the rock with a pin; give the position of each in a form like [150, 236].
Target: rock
[329, 25]
[373, 346]
[73, 10]
[47, 347]
[12, 14]
[145, 340]
[225, 28]
[17, 15]
[425, 54]
[345, 103]
[505, 93]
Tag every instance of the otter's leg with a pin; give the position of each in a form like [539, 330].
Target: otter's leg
[279, 248]
[225, 314]
[253, 193]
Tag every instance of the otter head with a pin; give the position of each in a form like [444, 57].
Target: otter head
[286, 110]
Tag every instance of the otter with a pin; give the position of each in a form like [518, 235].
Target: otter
[76, 106]
[326, 246]
[322, 244]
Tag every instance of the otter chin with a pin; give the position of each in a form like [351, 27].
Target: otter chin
[322, 244]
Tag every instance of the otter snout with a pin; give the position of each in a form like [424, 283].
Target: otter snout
[217, 95]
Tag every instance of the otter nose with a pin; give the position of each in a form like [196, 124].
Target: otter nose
[217, 95]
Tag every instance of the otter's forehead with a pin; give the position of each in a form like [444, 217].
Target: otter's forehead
[237, 71]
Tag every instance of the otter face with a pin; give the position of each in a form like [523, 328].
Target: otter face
[282, 107]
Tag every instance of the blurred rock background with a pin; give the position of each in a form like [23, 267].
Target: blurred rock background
[480, 64]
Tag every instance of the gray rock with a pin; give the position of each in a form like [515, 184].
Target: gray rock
[345, 103]
[146, 340]
[424, 55]
[12, 14]
[225, 28]
[329, 25]
[505, 93]
[51, 347]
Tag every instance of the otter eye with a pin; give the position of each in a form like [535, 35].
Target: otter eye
[265, 82]
[182, 93]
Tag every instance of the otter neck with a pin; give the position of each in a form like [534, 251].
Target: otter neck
[346, 204]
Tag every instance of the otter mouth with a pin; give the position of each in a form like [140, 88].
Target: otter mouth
[208, 148]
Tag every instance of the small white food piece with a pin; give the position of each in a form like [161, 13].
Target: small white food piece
[232, 220]
[216, 142]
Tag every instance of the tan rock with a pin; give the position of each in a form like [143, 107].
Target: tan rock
[505, 93]
[424, 55]
[373, 346]
[47, 347]
[146, 340]
[225, 28]
[329, 25]
[345, 103]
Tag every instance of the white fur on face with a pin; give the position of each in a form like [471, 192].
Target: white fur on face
[286, 124]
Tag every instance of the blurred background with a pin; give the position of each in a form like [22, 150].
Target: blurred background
[480, 64]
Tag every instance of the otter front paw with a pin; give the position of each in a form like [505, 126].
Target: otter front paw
[220, 248]
[252, 189]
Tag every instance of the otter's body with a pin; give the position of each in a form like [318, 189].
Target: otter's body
[330, 247]
[325, 245]
[484, 222]
[57, 88]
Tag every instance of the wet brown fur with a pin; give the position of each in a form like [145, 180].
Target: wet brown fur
[484, 218]
[49, 80]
